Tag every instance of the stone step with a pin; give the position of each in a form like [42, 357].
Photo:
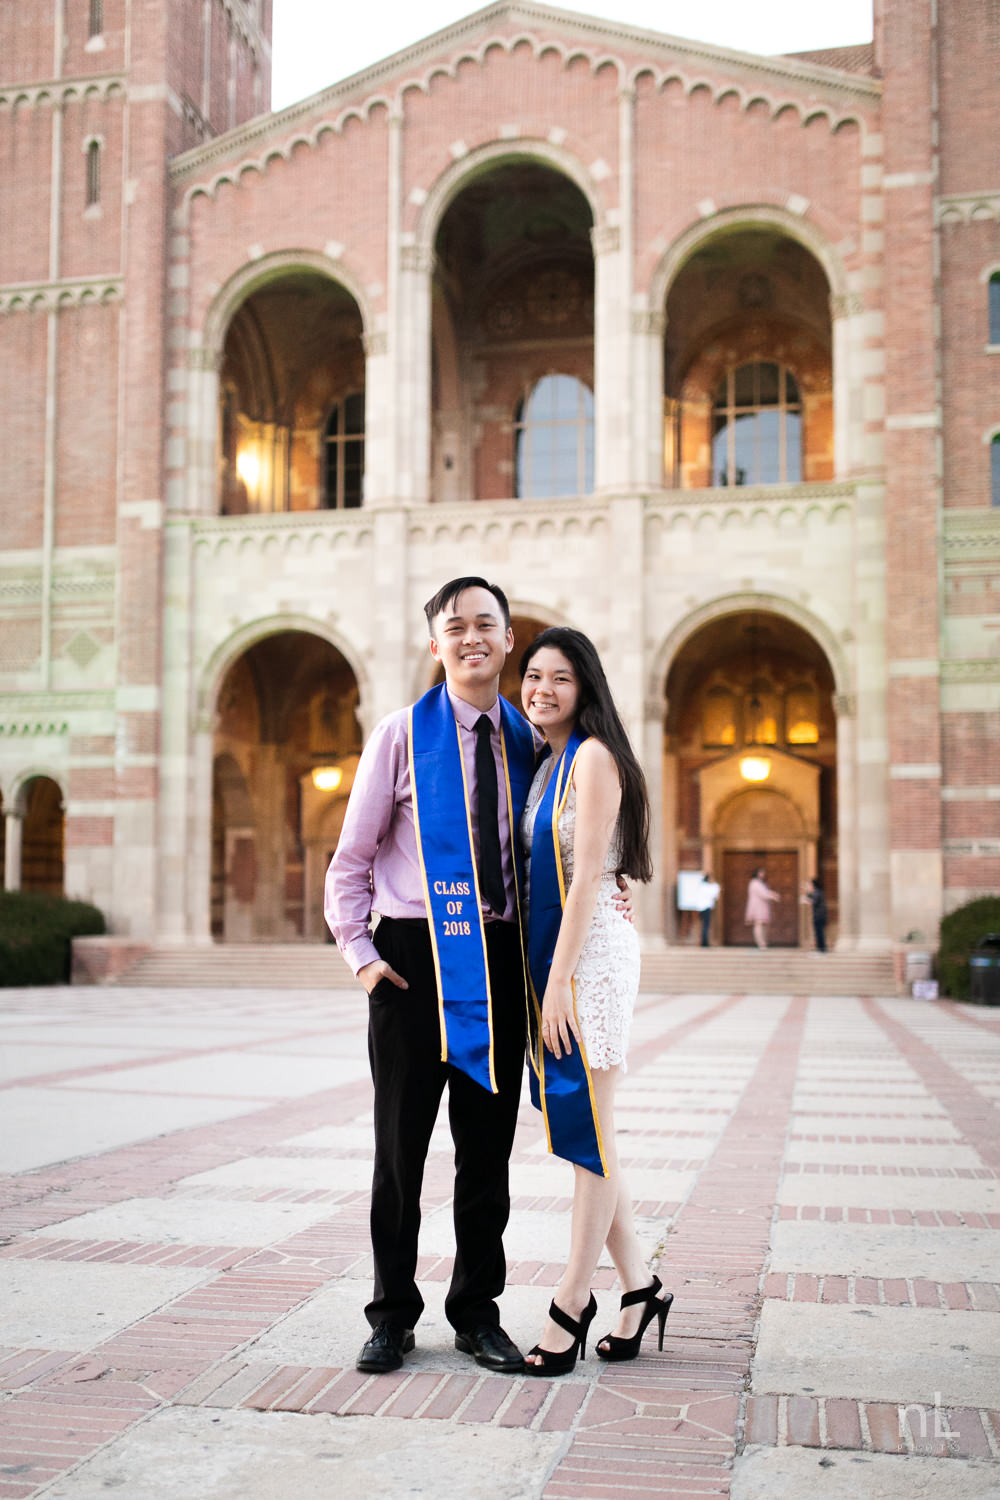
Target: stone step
[669, 971]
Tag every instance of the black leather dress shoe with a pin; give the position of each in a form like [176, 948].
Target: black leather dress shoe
[385, 1349]
[491, 1348]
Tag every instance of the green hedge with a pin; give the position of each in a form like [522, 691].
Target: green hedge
[960, 932]
[35, 933]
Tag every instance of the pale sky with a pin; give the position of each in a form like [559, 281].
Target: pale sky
[317, 43]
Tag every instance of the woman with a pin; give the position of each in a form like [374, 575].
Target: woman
[758, 912]
[593, 978]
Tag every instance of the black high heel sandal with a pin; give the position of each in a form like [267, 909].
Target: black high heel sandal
[656, 1307]
[562, 1362]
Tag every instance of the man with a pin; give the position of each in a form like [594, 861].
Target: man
[707, 894]
[430, 826]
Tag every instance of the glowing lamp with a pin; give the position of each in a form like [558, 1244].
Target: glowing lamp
[327, 778]
[755, 768]
[248, 468]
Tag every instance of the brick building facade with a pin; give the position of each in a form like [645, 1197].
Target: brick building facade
[686, 347]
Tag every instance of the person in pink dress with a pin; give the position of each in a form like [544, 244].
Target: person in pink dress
[758, 912]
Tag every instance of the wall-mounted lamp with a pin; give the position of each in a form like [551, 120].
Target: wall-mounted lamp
[327, 778]
[248, 468]
[755, 767]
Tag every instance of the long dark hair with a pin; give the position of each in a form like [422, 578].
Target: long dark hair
[597, 715]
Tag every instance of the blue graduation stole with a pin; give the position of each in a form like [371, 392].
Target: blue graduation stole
[443, 826]
[560, 1087]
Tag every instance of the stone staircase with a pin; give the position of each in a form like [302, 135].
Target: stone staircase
[724, 971]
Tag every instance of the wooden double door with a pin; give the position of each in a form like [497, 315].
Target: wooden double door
[781, 871]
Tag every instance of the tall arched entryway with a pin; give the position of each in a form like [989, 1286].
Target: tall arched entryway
[286, 745]
[513, 337]
[43, 836]
[292, 398]
[750, 772]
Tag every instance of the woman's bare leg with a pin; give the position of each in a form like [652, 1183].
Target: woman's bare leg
[602, 1214]
[760, 934]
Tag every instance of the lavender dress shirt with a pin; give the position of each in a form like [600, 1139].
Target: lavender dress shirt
[376, 867]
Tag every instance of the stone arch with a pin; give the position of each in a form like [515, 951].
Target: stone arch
[758, 603]
[750, 216]
[256, 274]
[227, 652]
[461, 173]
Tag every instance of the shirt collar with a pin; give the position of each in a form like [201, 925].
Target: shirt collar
[468, 716]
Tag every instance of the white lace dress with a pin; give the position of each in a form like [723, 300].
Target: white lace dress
[607, 973]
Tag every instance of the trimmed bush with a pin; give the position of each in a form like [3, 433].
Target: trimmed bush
[35, 933]
[961, 930]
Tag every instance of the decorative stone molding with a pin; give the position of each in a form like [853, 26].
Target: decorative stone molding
[204, 359]
[417, 258]
[254, 146]
[967, 208]
[62, 91]
[21, 729]
[652, 323]
[847, 304]
[375, 344]
[845, 705]
[981, 670]
[50, 296]
[605, 238]
[971, 536]
[983, 848]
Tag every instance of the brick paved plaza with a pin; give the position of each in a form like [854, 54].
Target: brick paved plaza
[185, 1260]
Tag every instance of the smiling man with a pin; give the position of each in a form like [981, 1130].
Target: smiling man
[427, 846]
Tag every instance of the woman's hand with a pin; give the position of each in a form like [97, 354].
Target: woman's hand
[623, 898]
[559, 1018]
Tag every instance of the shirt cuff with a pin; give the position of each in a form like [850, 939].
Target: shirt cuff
[359, 952]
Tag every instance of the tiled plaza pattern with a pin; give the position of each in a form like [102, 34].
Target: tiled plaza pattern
[185, 1259]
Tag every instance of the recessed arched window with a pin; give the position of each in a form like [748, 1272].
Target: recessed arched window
[93, 173]
[757, 426]
[995, 470]
[344, 451]
[718, 717]
[96, 17]
[554, 439]
[995, 308]
[802, 715]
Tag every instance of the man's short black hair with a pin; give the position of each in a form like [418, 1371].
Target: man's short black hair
[451, 591]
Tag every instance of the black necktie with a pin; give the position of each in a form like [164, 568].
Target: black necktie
[491, 883]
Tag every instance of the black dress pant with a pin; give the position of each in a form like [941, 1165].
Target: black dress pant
[404, 1047]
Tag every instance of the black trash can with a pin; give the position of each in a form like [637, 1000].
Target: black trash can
[984, 970]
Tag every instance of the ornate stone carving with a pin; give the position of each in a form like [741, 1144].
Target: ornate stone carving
[417, 258]
[652, 323]
[846, 304]
[605, 238]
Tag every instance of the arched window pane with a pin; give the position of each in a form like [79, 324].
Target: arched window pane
[802, 716]
[718, 718]
[757, 426]
[344, 444]
[995, 308]
[93, 174]
[554, 439]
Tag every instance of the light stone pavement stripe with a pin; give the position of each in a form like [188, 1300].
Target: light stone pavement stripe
[238, 1379]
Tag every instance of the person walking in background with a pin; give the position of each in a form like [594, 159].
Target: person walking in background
[708, 895]
[812, 895]
[758, 912]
